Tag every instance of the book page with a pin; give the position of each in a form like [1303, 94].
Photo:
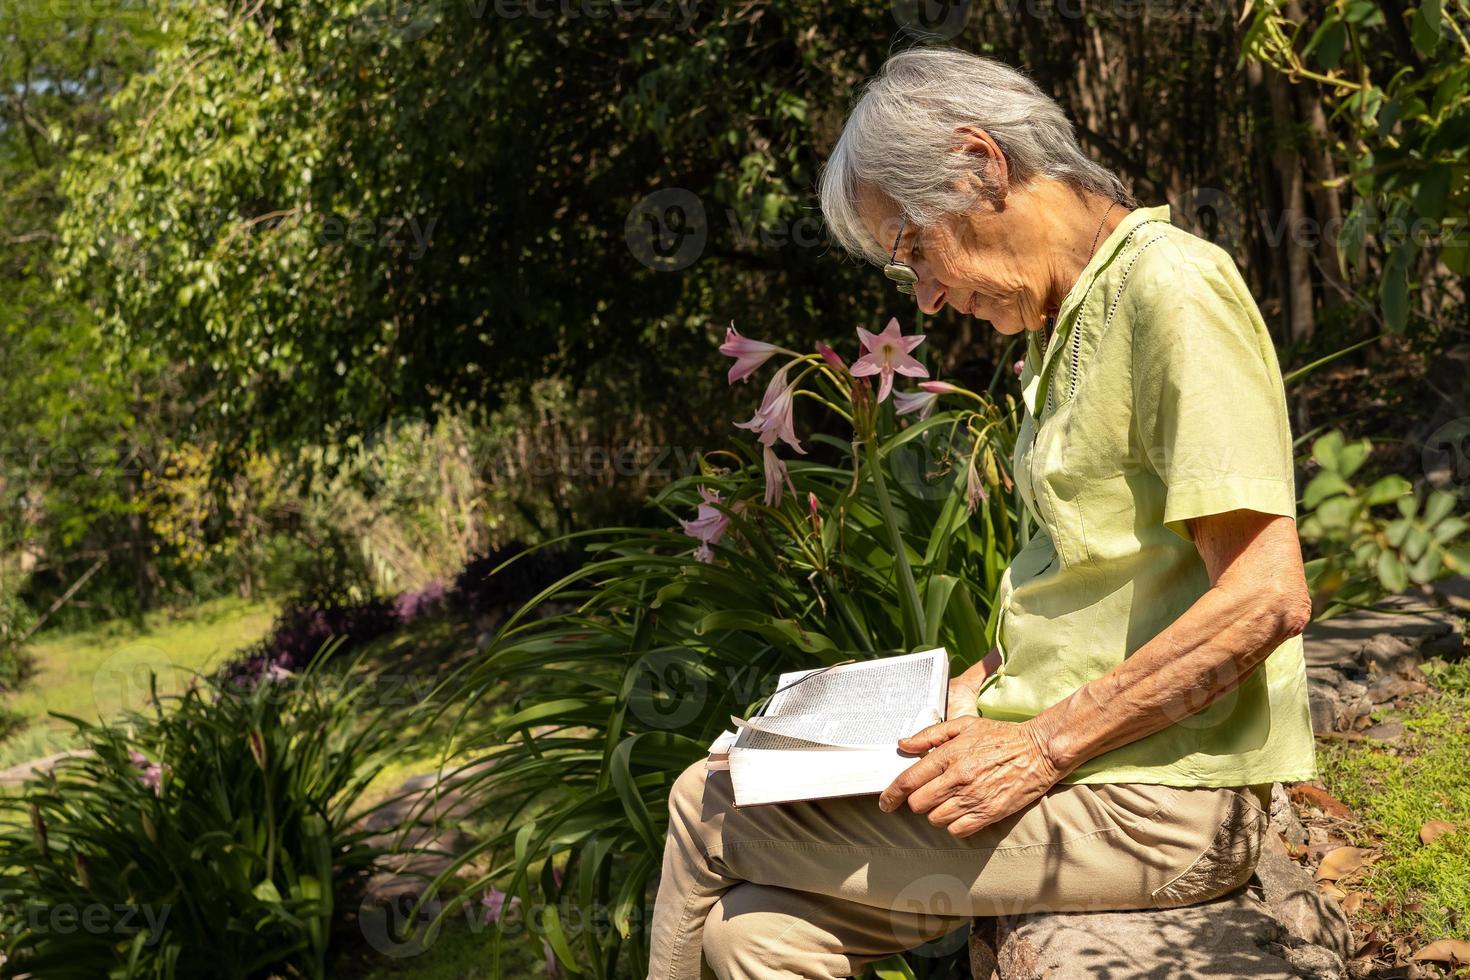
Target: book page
[855, 705]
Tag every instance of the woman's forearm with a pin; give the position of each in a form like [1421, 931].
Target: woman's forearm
[1200, 657]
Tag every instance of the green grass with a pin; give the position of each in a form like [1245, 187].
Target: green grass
[103, 671]
[461, 951]
[1396, 789]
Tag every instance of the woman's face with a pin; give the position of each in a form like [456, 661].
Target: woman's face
[980, 263]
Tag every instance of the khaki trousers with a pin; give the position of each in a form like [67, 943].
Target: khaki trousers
[822, 889]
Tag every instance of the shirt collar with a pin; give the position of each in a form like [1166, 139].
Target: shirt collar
[1100, 260]
[1106, 253]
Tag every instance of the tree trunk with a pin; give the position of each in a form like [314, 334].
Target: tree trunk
[1269, 259]
[1297, 303]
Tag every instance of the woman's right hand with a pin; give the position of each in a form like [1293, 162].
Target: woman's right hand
[964, 690]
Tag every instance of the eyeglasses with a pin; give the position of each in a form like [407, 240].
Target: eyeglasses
[900, 272]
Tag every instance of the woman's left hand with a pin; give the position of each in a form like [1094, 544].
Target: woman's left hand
[976, 771]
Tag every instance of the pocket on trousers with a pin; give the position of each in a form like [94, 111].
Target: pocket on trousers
[1227, 862]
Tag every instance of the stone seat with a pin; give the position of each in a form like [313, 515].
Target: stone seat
[1278, 926]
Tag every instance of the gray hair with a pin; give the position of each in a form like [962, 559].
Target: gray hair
[899, 137]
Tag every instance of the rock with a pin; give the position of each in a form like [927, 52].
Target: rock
[1313, 962]
[1333, 712]
[1280, 926]
[1233, 936]
[1284, 820]
[1324, 677]
[18, 774]
[1450, 647]
[1455, 591]
[983, 964]
[1339, 641]
[1325, 705]
[1288, 891]
[1388, 731]
[1389, 653]
[1394, 686]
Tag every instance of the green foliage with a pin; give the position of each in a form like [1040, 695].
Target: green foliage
[1362, 555]
[68, 408]
[218, 828]
[659, 648]
[332, 211]
[15, 665]
[1396, 83]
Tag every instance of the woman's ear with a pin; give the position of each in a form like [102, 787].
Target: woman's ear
[992, 173]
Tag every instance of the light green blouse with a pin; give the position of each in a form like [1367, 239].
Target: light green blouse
[1164, 402]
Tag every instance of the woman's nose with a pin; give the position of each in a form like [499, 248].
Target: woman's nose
[929, 295]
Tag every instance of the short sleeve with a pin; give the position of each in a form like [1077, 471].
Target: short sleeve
[1209, 405]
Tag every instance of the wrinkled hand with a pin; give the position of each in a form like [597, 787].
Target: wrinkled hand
[976, 771]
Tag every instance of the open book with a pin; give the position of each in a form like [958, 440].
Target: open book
[833, 731]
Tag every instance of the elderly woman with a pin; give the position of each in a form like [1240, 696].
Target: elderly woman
[1116, 748]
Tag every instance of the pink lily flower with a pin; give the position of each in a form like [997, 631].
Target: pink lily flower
[831, 356]
[1019, 366]
[975, 494]
[495, 904]
[553, 966]
[922, 402]
[707, 527]
[775, 476]
[941, 388]
[749, 354]
[773, 419]
[152, 773]
[887, 354]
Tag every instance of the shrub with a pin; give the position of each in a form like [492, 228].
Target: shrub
[16, 666]
[304, 627]
[1360, 556]
[214, 835]
[503, 579]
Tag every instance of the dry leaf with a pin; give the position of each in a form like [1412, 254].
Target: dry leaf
[1331, 890]
[1452, 951]
[1343, 861]
[1352, 902]
[1317, 851]
[1309, 795]
[1372, 945]
[1435, 829]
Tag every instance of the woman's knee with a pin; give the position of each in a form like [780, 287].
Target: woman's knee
[726, 943]
[687, 794]
[747, 935]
